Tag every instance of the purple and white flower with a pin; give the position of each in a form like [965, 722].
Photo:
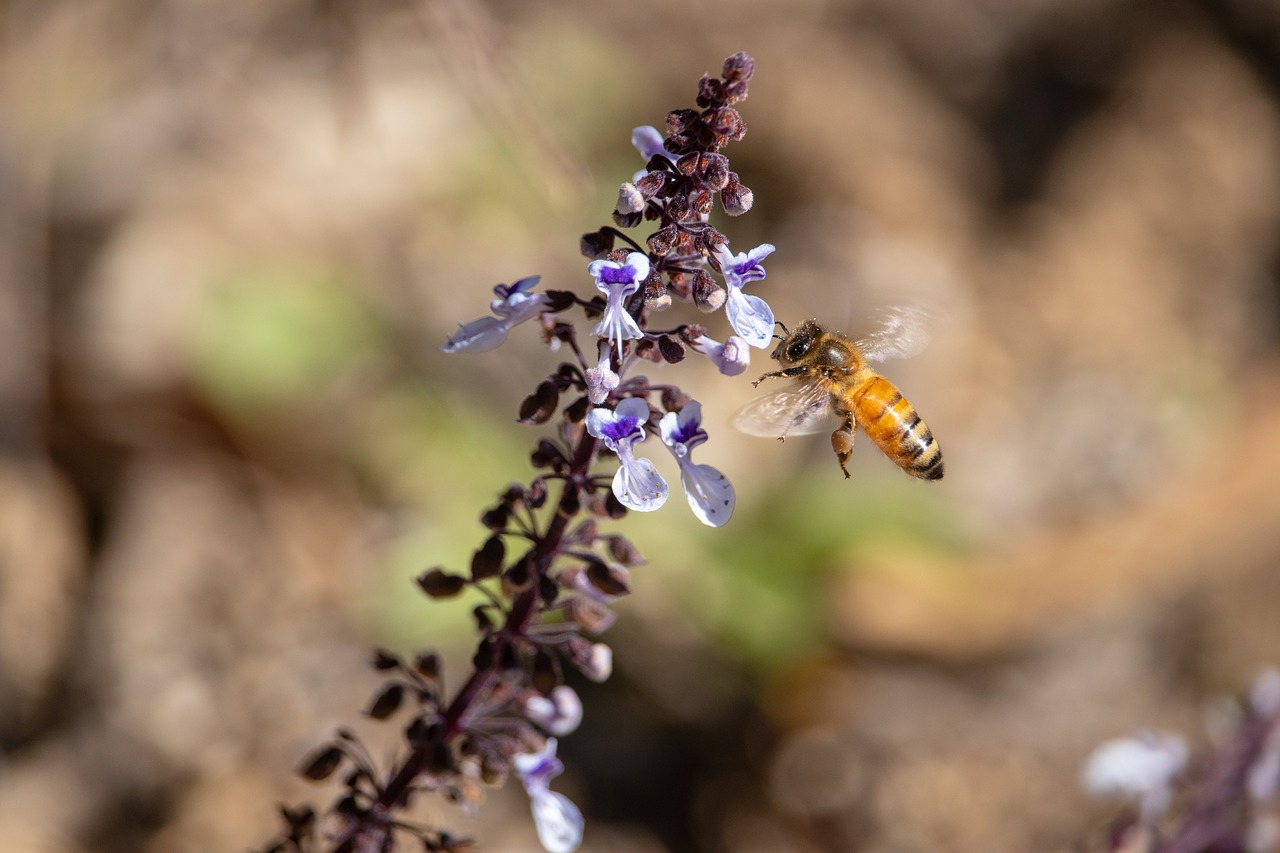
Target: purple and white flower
[637, 485]
[514, 305]
[750, 316]
[618, 281]
[710, 493]
[558, 820]
[730, 358]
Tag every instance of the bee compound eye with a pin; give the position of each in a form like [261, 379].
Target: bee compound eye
[798, 349]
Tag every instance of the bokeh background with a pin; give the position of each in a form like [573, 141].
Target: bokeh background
[233, 235]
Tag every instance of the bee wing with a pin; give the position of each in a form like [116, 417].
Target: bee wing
[796, 410]
[901, 332]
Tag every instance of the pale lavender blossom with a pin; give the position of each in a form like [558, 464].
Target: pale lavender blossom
[750, 316]
[731, 358]
[558, 820]
[618, 281]
[559, 714]
[648, 141]
[514, 305]
[637, 484]
[710, 493]
[1143, 767]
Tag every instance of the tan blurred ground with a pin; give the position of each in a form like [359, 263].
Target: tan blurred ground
[233, 234]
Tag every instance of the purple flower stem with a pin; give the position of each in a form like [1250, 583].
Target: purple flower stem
[523, 611]
[1214, 815]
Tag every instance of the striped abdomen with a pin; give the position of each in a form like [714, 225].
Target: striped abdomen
[895, 426]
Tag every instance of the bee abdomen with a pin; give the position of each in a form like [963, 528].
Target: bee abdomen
[897, 429]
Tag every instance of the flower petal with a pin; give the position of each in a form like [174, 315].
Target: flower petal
[710, 493]
[478, 336]
[751, 317]
[648, 141]
[638, 485]
[558, 820]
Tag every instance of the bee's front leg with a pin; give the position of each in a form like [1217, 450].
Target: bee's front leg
[789, 372]
[842, 443]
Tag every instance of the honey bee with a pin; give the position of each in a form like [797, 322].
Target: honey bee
[835, 377]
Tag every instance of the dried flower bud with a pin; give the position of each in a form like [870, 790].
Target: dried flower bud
[707, 295]
[630, 200]
[661, 241]
[623, 551]
[387, 703]
[738, 67]
[656, 297]
[627, 220]
[439, 584]
[596, 244]
[727, 122]
[320, 765]
[594, 660]
[735, 197]
[591, 616]
[487, 561]
[652, 182]
[539, 406]
[673, 399]
[671, 349]
[611, 580]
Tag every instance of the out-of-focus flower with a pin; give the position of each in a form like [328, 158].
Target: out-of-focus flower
[709, 492]
[730, 358]
[558, 820]
[1143, 767]
[514, 305]
[601, 380]
[618, 281]
[597, 663]
[750, 316]
[1264, 694]
[637, 484]
[559, 714]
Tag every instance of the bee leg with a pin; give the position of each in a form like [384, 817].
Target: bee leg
[842, 443]
[790, 371]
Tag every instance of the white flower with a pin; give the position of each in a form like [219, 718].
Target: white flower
[710, 493]
[750, 316]
[637, 484]
[514, 305]
[730, 358]
[558, 820]
[618, 281]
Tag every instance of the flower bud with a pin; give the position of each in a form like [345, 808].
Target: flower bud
[737, 199]
[707, 295]
[630, 199]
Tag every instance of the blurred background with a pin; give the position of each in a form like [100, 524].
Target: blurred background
[234, 234]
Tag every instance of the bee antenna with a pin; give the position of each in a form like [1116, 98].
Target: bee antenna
[785, 334]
